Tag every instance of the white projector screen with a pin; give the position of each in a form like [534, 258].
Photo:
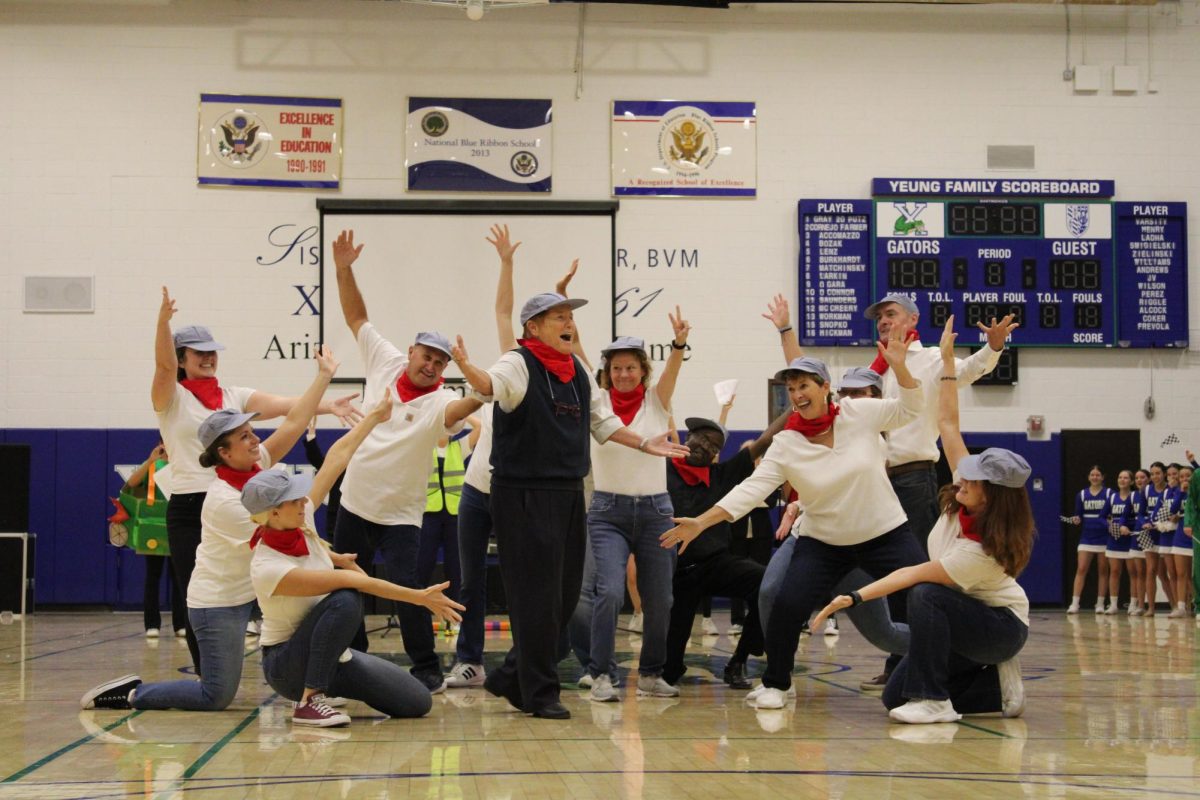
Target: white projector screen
[425, 265]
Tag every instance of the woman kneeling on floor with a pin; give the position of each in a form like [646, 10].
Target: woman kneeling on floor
[968, 617]
[311, 604]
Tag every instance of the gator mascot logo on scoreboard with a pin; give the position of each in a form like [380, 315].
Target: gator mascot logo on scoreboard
[908, 223]
[687, 140]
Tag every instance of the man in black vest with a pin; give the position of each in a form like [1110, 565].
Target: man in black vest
[707, 567]
[540, 455]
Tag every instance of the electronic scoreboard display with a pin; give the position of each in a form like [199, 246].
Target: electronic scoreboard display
[1072, 267]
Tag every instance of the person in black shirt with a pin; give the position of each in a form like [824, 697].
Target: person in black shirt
[707, 567]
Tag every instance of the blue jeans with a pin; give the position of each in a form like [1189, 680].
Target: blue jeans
[618, 525]
[221, 636]
[398, 544]
[579, 626]
[956, 640]
[872, 618]
[309, 660]
[474, 529]
[814, 570]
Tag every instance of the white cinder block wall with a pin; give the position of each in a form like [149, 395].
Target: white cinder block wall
[97, 168]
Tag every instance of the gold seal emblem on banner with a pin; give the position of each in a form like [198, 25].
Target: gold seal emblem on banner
[688, 140]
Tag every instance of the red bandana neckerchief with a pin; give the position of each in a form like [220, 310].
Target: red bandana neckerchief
[880, 364]
[691, 475]
[811, 427]
[289, 542]
[967, 521]
[237, 478]
[206, 390]
[626, 404]
[409, 391]
[561, 365]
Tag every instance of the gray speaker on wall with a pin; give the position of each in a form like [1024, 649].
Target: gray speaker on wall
[60, 294]
[1010, 156]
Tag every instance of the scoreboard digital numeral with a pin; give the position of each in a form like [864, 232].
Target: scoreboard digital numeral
[986, 312]
[1049, 316]
[939, 313]
[914, 273]
[1069, 273]
[1089, 316]
[993, 273]
[995, 219]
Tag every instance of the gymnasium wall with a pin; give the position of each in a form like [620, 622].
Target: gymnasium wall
[98, 177]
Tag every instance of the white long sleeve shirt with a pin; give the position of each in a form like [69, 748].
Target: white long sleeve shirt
[917, 441]
[845, 489]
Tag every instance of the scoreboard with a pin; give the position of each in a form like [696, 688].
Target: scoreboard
[1074, 268]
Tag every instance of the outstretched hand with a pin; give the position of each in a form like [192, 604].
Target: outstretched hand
[997, 332]
[894, 348]
[503, 243]
[684, 533]
[344, 251]
[835, 605]
[441, 606]
[777, 312]
[946, 345]
[326, 363]
[662, 445]
[382, 411]
[565, 280]
[344, 410]
[167, 310]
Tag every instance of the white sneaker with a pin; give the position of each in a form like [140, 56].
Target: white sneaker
[757, 692]
[654, 686]
[1073, 608]
[771, 698]
[1112, 608]
[1134, 608]
[151, 633]
[1099, 609]
[708, 627]
[831, 628]
[181, 633]
[635, 623]
[602, 690]
[463, 675]
[735, 630]
[924, 712]
[1012, 688]
[252, 629]
[1178, 613]
[586, 682]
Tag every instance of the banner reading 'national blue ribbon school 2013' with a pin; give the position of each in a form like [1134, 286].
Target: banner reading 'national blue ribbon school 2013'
[672, 148]
[463, 144]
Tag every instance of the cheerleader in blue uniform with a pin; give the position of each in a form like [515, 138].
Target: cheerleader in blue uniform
[1155, 513]
[1091, 511]
[1180, 558]
[1121, 524]
[1137, 558]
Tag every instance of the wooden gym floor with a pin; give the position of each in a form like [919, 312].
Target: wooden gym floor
[1111, 713]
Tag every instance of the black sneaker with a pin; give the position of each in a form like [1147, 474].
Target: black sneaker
[435, 682]
[113, 694]
[735, 676]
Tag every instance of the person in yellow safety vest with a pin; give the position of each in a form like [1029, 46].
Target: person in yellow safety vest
[439, 526]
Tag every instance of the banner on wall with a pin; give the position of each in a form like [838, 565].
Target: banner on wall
[261, 140]
[462, 144]
[671, 148]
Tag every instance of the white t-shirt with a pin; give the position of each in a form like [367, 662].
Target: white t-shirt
[222, 575]
[510, 380]
[846, 493]
[388, 475]
[282, 614]
[179, 425]
[977, 574]
[917, 441]
[623, 470]
[479, 471]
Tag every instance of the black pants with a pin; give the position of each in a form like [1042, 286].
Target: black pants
[151, 615]
[758, 547]
[183, 537]
[541, 536]
[721, 575]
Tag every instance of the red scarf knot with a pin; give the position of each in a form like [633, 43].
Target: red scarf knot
[290, 542]
[206, 390]
[409, 391]
[561, 365]
[691, 475]
[626, 404]
[880, 364]
[237, 478]
[967, 521]
[811, 427]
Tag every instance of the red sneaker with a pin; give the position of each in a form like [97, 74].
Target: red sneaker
[318, 713]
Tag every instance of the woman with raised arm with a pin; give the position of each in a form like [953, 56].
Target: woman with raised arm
[1155, 517]
[184, 391]
[968, 617]
[311, 603]
[220, 596]
[831, 456]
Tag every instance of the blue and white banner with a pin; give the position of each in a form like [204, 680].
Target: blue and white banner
[992, 187]
[263, 140]
[457, 144]
[672, 148]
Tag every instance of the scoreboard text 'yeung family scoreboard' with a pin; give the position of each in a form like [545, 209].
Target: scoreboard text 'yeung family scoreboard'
[1074, 268]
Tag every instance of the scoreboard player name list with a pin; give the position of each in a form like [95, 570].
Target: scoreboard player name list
[1152, 254]
[836, 250]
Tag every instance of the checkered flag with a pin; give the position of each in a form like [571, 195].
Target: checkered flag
[1162, 516]
[1170, 440]
[1114, 527]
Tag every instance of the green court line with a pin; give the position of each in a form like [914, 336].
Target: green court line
[975, 727]
[41, 762]
[199, 763]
